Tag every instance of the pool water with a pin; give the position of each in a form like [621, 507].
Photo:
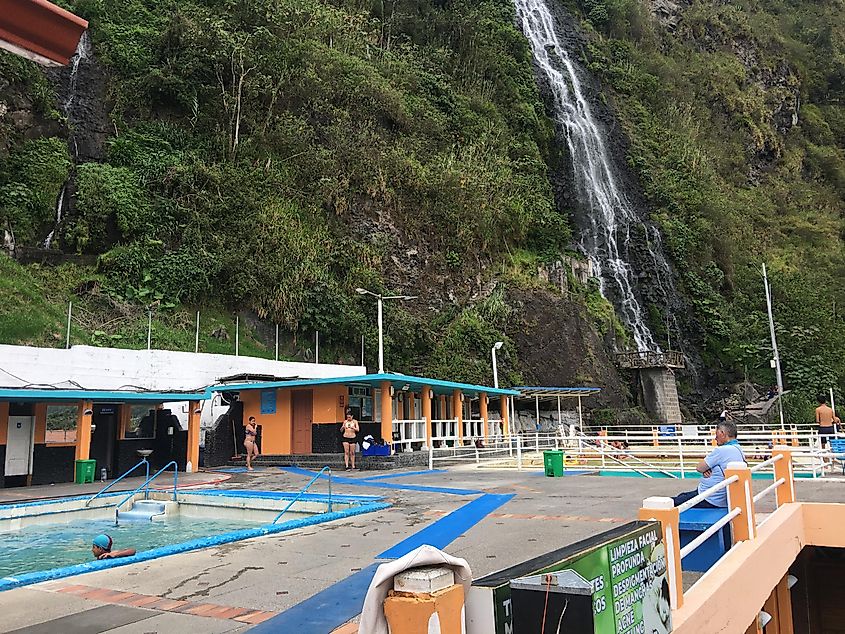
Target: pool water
[48, 546]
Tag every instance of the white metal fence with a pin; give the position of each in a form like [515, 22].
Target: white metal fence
[409, 432]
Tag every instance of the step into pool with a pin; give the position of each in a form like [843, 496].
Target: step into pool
[52, 539]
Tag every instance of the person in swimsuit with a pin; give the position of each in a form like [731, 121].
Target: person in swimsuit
[250, 432]
[349, 437]
[101, 548]
[826, 419]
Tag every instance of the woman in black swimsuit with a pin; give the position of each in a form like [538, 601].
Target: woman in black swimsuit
[349, 437]
[250, 432]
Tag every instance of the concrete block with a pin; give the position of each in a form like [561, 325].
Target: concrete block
[427, 579]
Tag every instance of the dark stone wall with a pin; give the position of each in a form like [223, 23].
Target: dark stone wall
[325, 437]
[53, 464]
[219, 444]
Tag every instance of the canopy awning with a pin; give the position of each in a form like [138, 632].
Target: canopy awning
[100, 396]
[553, 392]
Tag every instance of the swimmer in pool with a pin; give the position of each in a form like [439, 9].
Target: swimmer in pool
[101, 548]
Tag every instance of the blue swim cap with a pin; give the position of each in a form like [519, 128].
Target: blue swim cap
[103, 541]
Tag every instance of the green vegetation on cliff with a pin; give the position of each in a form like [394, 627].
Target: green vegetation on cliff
[736, 122]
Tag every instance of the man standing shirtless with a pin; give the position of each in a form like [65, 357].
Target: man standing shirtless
[826, 419]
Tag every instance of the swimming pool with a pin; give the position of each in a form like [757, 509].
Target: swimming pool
[52, 539]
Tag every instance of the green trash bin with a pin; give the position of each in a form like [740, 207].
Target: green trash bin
[553, 463]
[85, 471]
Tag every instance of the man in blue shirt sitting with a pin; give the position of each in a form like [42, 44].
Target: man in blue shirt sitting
[712, 468]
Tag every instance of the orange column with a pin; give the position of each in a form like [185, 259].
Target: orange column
[411, 613]
[482, 408]
[426, 413]
[85, 413]
[386, 413]
[784, 607]
[740, 495]
[458, 414]
[783, 469]
[4, 422]
[503, 405]
[194, 413]
[663, 510]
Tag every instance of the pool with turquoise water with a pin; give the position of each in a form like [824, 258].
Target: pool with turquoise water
[57, 545]
[646, 473]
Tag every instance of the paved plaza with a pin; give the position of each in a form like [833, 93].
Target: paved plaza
[313, 579]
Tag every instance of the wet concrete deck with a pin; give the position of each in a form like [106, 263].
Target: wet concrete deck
[231, 588]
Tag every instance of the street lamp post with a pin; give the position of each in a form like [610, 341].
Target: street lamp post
[496, 346]
[380, 299]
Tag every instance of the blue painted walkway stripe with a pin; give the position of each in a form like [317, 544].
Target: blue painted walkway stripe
[326, 610]
[404, 475]
[381, 484]
[445, 530]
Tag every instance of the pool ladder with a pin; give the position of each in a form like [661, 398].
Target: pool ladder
[146, 486]
[302, 491]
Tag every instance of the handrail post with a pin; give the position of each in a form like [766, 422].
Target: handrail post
[664, 511]
[329, 471]
[681, 455]
[518, 453]
[744, 526]
[783, 469]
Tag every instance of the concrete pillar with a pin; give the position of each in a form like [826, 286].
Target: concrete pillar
[660, 395]
[443, 414]
[783, 602]
[84, 414]
[425, 601]
[458, 414]
[482, 409]
[783, 469]
[503, 405]
[386, 413]
[194, 413]
[740, 495]
[426, 413]
[664, 511]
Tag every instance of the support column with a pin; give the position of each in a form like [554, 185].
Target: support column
[784, 607]
[740, 495]
[458, 413]
[84, 414]
[663, 510]
[426, 413]
[503, 405]
[783, 469]
[482, 409]
[386, 413]
[194, 414]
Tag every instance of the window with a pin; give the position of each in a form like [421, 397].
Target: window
[142, 422]
[61, 424]
[361, 403]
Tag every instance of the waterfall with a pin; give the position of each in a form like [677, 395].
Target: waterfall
[83, 52]
[611, 216]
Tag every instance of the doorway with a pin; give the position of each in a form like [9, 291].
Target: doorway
[301, 413]
[104, 437]
[20, 443]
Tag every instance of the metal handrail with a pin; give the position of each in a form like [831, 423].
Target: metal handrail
[766, 463]
[707, 493]
[147, 485]
[304, 489]
[111, 484]
[603, 444]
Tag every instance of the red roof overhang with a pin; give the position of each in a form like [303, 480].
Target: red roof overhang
[40, 31]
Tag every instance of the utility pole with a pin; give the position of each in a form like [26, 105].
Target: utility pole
[774, 344]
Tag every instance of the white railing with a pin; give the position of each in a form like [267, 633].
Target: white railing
[473, 428]
[662, 509]
[444, 431]
[483, 451]
[410, 432]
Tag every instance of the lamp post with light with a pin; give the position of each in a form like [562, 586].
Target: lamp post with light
[381, 298]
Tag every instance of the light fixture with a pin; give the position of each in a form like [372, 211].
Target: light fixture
[431, 394]
[498, 345]
[764, 617]
[93, 427]
[392, 390]
[198, 411]
[88, 412]
[791, 580]
[406, 387]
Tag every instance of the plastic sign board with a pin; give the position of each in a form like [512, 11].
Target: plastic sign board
[268, 401]
[625, 566]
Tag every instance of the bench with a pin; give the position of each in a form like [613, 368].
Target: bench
[695, 521]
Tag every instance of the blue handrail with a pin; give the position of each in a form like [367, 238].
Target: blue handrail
[111, 484]
[147, 485]
[305, 488]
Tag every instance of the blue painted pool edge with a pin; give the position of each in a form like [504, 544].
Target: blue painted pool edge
[8, 583]
[363, 482]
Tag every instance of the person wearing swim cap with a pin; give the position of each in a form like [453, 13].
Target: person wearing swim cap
[101, 548]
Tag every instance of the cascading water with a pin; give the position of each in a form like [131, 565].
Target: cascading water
[611, 216]
[83, 52]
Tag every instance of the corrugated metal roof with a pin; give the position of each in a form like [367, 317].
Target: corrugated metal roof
[551, 392]
[398, 381]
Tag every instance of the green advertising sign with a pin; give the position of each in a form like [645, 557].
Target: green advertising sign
[625, 566]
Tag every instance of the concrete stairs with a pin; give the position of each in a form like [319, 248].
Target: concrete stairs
[143, 510]
[335, 461]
